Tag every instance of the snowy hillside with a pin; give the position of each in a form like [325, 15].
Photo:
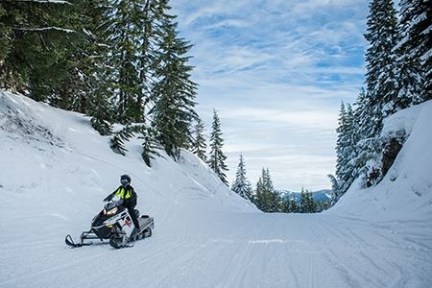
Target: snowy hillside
[55, 170]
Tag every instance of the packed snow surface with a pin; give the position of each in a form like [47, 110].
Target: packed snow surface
[55, 170]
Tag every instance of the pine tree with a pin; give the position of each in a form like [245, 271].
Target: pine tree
[86, 89]
[293, 206]
[303, 202]
[122, 30]
[267, 199]
[241, 185]
[217, 157]
[285, 205]
[307, 203]
[199, 145]
[174, 91]
[102, 111]
[72, 93]
[381, 97]
[345, 151]
[411, 78]
[312, 205]
[289, 204]
[149, 66]
[125, 68]
[258, 195]
[382, 35]
[415, 47]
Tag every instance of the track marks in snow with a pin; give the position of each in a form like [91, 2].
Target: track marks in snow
[312, 273]
[319, 251]
[247, 251]
[378, 255]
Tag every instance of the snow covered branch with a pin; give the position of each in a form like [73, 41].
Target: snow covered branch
[45, 29]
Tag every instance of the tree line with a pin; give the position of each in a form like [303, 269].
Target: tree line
[268, 199]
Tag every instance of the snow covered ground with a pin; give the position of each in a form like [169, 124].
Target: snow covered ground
[55, 171]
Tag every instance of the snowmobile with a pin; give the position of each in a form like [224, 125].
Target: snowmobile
[114, 223]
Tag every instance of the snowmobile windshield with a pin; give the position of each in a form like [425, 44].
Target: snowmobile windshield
[111, 206]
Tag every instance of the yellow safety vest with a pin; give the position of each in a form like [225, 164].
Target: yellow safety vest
[123, 193]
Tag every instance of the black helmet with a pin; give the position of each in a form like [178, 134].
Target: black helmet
[125, 180]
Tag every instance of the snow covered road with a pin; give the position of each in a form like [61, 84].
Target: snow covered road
[231, 250]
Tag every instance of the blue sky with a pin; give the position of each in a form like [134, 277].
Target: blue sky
[276, 72]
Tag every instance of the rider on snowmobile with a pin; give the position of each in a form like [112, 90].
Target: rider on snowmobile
[127, 193]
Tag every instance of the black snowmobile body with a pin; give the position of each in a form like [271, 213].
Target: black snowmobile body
[114, 223]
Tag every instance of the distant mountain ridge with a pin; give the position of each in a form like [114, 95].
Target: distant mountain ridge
[323, 195]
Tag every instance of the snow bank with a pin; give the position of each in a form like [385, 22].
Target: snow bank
[18, 118]
[405, 193]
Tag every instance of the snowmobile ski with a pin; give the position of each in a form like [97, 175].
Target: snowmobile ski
[69, 241]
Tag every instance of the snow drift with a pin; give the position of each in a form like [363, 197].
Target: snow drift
[55, 170]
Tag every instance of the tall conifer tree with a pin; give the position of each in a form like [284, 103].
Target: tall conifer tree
[152, 70]
[382, 35]
[199, 145]
[380, 99]
[174, 92]
[266, 198]
[415, 46]
[217, 157]
[307, 203]
[122, 29]
[345, 150]
[241, 185]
